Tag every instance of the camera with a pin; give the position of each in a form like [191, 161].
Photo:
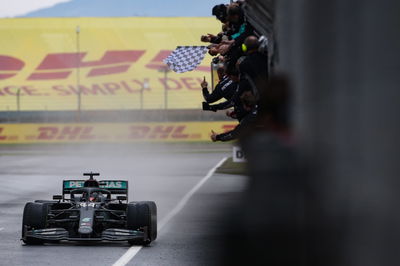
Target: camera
[215, 60]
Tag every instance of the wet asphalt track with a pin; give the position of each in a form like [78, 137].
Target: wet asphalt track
[162, 173]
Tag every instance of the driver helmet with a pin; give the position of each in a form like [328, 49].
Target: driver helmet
[94, 197]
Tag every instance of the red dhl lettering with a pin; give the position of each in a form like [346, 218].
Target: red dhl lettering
[10, 64]
[178, 133]
[66, 133]
[1, 131]
[227, 128]
[158, 132]
[101, 67]
[170, 132]
[157, 61]
[133, 86]
[57, 66]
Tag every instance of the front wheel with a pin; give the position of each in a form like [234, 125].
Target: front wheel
[142, 214]
[35, 215]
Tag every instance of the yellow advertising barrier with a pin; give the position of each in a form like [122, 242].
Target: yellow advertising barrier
[111, 132]
[47, 61]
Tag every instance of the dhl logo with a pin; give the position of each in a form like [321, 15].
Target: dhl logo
[59, 66]
[170, 132]
[135, 132]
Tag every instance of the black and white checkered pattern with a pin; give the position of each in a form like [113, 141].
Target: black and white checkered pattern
[186, 58]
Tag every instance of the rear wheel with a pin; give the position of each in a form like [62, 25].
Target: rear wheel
[142, 214]
[34, 217]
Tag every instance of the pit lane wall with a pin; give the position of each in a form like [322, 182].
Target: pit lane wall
[47, 61]
[111, 132]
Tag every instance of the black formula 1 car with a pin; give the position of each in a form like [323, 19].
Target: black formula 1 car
[90, 210]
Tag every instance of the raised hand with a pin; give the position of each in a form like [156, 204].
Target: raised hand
[213, 136]
[204, 84]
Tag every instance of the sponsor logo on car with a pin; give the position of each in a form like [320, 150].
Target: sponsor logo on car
[74, 184]
[114, 184]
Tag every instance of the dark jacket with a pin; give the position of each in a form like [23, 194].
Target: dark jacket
[254, 68]
[235, 101]
[246, 122]
[224, 89]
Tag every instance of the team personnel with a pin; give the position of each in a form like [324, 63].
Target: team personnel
[224, 89]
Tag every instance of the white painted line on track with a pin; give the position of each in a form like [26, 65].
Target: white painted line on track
[1, 228]
[131, 252]
[188, 195]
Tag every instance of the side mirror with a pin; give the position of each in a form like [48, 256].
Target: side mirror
[57, 197]
[120, 198]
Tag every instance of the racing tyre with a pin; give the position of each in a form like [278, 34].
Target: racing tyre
[142, 214]
[34, 216]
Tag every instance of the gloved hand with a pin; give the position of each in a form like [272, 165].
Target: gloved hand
[207, 107]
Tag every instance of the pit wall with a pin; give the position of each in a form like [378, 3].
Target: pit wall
[111, 132]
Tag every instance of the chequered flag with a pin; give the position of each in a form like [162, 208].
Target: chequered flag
[186, 58]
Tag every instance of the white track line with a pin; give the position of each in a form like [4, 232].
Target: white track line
[131, 252]
[1, 228]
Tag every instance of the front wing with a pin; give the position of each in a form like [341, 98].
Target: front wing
[111, 234]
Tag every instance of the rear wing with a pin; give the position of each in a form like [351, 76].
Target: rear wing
[119, 187]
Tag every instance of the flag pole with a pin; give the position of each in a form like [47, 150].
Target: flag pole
[78, 30]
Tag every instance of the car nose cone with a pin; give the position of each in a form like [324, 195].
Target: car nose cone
[84, 230]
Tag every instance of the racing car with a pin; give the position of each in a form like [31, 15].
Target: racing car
[90, 210]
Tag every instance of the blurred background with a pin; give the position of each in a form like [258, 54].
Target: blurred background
[339, 205]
